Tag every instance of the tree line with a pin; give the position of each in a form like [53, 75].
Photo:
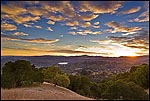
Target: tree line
[128, 86]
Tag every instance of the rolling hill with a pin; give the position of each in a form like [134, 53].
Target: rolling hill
[45, 91]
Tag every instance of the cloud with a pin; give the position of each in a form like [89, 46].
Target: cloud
[117, 27]
[124, 46]
[38, 40]
[88, 17]
[143, 17]
[55, 18]
[36, 11]
[27, 25]
[8, 27]
[38, 27]
[6, 37]
[137, 46]
[96, 50]
[85, 24]
[73, 28]
[96, 26]
[130, 11]
[96, 23]
[73, 33]
[20, 34]
[104, 42]
[96, 32]
[73, 23]
[63, 7]
[99, 6]
[85, 32]
[51, 22]
[41, 40]
[81, 46]
[21, 19]
[26, 50]
[117, 49]
[141, 41]
[49, 28]
[61, 35]
[73, 52]
[12, 9]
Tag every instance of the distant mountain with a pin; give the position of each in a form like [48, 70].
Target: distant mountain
[47, 60]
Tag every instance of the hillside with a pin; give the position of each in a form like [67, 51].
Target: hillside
[42, 92]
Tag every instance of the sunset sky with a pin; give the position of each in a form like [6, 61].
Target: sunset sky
[69, 28]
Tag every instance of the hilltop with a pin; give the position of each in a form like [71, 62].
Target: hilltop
[45, 91]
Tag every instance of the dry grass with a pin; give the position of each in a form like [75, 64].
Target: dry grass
[42, 92]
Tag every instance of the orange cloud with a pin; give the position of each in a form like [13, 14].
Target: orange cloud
[39, 40]
[20, 19]
[55, 18]
[73, 23]
[117, 27]
[99, 6]
[130, 11]
[63, 7]
[12, 9]
[36, 11]
[143, 17]
[8, 27]
[51, 22]
[27, 52]
[85, 24]
[96, 23]
[88, 17]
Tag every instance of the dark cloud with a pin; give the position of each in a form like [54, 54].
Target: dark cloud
[57, 51]
[117, 27]
[141, 40]
[81, 46]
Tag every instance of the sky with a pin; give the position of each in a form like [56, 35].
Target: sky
[73, 28]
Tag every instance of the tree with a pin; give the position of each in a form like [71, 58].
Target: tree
[141, 76]
[7, 77]
[85, 86]
[123, 90]
[75, 82]
[50, 72]
[61, 80]
[17, 74]
[38, 76]
[95, 91]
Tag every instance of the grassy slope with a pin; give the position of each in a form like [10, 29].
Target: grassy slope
[42, 92]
